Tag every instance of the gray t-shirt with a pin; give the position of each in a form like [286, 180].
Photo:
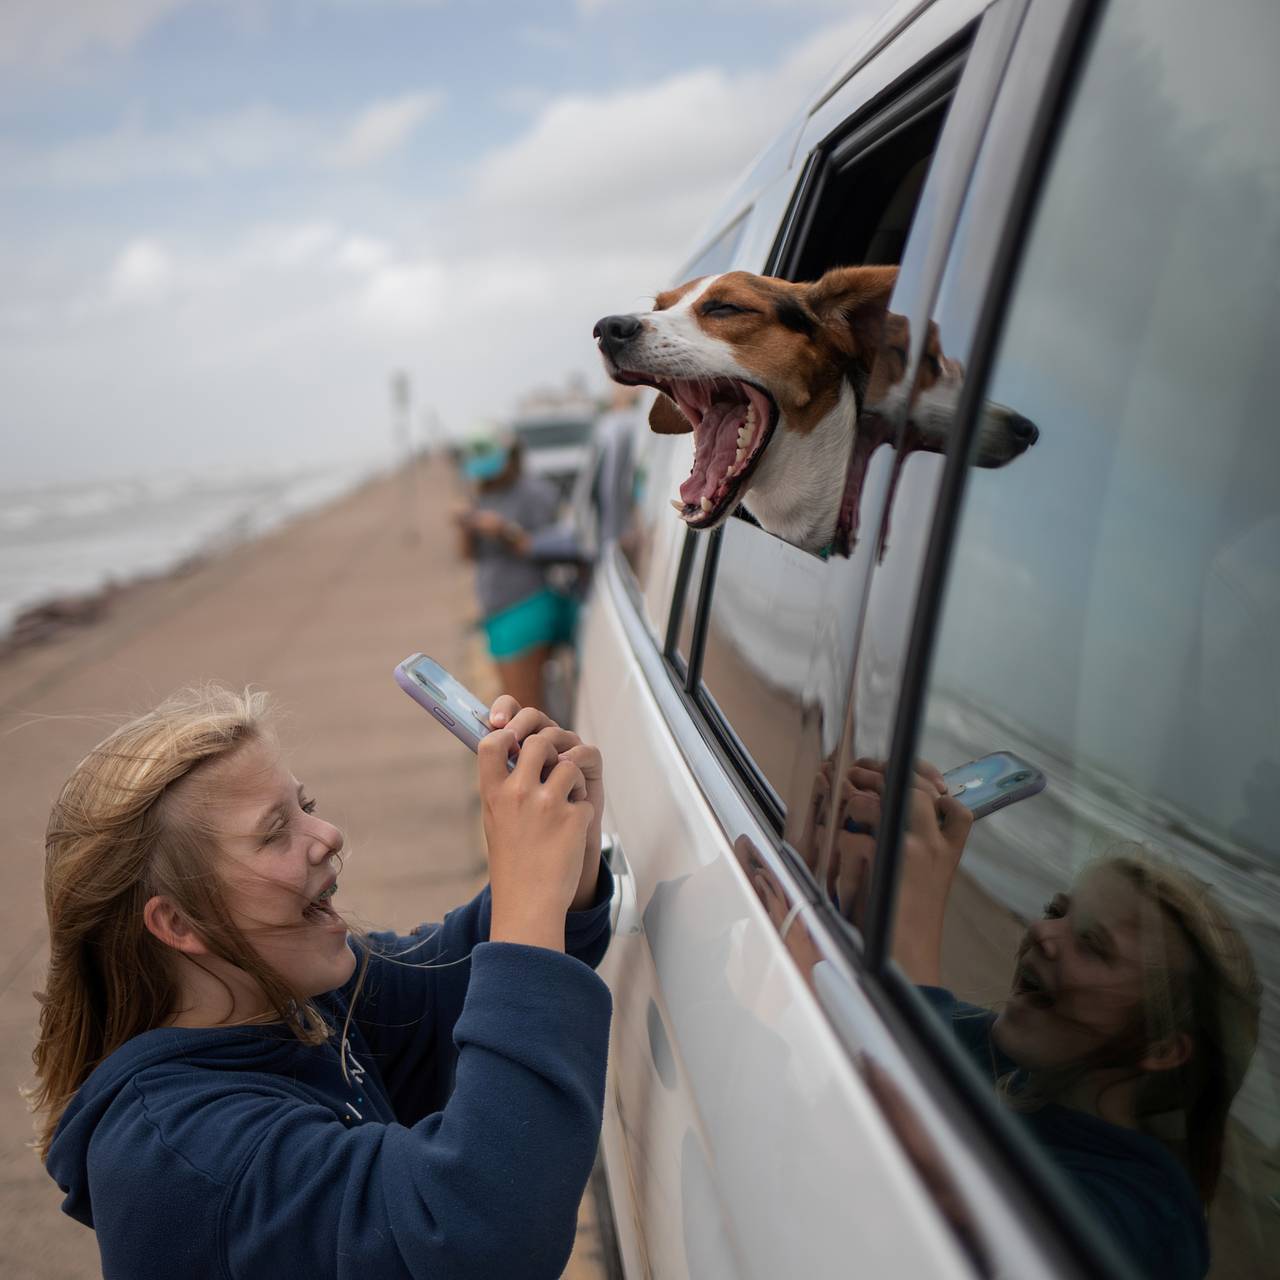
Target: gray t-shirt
[502, 577]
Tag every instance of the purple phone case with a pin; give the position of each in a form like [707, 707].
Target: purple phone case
[441, 712]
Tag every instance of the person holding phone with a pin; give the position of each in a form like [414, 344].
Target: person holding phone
[234, 1083]
[522, 616]
[1131, 1018]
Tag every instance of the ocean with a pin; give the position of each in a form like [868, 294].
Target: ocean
[68, 540]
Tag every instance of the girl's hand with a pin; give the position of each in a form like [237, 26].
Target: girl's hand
[938, 826]
[506, 712]
[536, 818]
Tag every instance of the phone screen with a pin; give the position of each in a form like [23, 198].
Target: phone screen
[451, 694]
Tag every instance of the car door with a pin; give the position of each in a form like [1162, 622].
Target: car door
[740, 1138]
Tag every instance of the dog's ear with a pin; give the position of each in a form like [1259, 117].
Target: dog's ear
[851, 302]
[666, 419]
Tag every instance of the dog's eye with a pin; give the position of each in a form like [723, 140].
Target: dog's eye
[722, 309]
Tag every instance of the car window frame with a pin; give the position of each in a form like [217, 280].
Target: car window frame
[1039, 87]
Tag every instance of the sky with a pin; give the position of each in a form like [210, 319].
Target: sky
[224, 223]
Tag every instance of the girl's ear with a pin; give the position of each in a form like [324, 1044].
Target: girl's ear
[1167, 1054]
[166, 921]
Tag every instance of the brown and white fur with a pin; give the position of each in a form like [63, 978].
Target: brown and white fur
[767, 374]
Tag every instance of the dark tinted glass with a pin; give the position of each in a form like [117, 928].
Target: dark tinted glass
[1104, 941]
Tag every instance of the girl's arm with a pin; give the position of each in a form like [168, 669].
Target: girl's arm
[487, 1187]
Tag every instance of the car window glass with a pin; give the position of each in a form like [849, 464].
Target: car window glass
[688, 603]
[1104, 686]
[782, 613]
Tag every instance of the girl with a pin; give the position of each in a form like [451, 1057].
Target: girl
[1131, 1019]
[231, 1085]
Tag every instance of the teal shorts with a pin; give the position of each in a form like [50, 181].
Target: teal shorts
[545, 618]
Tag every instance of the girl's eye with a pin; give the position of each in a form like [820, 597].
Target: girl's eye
[308, 806]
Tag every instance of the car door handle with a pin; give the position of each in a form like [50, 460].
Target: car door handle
[624, 888]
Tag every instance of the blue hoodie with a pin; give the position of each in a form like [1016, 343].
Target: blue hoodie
[457, 1143]
[1127, 1179]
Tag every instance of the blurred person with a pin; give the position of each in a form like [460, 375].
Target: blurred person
[234, 1083]
[522, 616]
[1131, 1020]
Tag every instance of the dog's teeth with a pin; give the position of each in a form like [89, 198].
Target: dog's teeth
[679, 506]
[742, 453]
[706, 504]
[751, 413]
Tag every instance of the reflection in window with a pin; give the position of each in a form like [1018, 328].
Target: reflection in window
[1110, 952]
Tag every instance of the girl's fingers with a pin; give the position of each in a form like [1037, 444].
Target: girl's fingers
[536, 756]
[956, 818]
[588, 759]
[528, 721]
[566, 780]
[492, 754]
[503, 710]
[933, 775]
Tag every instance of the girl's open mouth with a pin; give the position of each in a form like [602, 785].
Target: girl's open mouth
[1028, 985]
[320, 909]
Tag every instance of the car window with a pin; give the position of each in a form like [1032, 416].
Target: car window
[780, 617]
[1103, 942]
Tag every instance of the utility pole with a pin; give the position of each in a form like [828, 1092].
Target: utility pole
[402, 444]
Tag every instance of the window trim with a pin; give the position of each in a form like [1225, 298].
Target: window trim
[930, 87]
[1015, 191]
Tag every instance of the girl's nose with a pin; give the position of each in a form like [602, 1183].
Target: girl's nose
[328, 840]
[1044, 936]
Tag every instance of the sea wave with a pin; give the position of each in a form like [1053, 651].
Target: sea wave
[67, 540]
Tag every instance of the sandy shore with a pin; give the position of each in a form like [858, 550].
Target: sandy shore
[318, 613]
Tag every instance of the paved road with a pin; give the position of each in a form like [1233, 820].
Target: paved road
[318, 613]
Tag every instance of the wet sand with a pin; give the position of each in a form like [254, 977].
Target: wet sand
[317, 613]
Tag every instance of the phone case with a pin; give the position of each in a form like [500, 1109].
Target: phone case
[993, 782]
[449, 702]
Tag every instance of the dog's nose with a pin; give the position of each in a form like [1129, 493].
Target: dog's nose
[1024, 430]
[613, 331]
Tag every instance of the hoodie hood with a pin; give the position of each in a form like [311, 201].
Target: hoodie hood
[252, 1049]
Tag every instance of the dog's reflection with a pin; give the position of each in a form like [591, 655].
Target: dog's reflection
[788, 389]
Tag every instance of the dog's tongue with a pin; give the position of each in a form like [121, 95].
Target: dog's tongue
[715, 448]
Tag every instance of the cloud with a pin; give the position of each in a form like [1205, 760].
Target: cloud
[253, 139]
[382, 129]
[142, 273]
[48, 33]
[281, 337]
[643, 166]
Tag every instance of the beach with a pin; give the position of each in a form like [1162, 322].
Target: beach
[317, 612]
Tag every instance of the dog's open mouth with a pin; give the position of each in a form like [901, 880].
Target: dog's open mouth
[732, 423]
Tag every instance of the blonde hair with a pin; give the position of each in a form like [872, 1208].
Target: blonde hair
[1214, 999]
[120, 833]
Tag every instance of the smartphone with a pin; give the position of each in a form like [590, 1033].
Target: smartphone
[448, 700]
[994, 781]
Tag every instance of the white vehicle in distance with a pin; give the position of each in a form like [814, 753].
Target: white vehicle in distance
[847, 1043]
[556, 443]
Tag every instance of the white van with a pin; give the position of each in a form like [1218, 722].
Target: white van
[1084, 198]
